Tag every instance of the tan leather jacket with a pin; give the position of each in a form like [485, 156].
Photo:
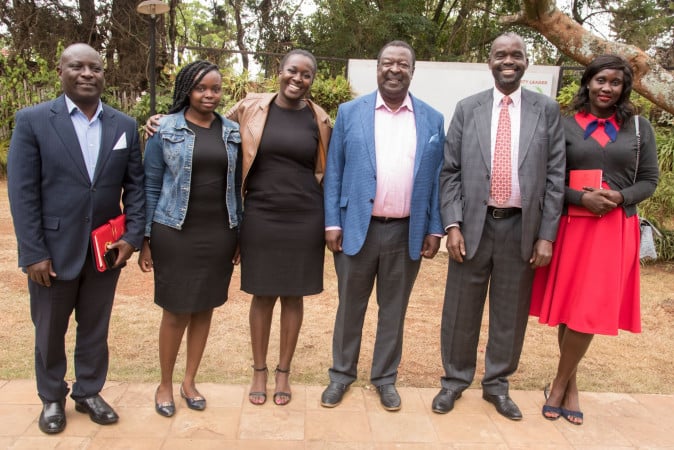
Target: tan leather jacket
[251, 115]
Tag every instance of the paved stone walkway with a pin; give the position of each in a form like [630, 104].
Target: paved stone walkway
[612, 421]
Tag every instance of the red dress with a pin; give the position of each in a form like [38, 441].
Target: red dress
[592, 282]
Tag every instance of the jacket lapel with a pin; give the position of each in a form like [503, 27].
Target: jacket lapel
[529, 117]
[108, 134]
[64, 129]
[421, 121]
[482, 118]
[367, 122]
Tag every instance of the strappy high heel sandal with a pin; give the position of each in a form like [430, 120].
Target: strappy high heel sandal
[253, 395]
[282, 398]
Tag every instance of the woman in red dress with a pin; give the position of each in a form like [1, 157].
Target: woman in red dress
[592, 284]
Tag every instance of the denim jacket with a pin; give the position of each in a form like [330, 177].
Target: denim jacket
[168, 172]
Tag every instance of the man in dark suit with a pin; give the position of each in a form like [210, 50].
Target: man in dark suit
[70, 161]
[501, 195]
[381, 216]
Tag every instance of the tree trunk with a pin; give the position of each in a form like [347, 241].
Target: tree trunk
[650, 79]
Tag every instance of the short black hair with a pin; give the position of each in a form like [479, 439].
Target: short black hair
[398, 43]
[298, 51]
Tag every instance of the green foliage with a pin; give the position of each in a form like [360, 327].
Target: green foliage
[329, 93]
[660, 206]
[4, 148]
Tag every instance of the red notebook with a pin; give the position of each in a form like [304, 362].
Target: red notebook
[578, 179]
[106, 234]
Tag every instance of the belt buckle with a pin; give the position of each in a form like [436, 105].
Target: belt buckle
[498, 213]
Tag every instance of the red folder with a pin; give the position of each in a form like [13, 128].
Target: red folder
[578, 179]
[104, 235]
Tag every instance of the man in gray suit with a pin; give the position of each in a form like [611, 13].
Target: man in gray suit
[501, 195]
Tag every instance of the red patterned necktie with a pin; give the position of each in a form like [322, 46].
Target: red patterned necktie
[501, 167]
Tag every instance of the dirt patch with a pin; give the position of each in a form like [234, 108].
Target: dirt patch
[625, 363]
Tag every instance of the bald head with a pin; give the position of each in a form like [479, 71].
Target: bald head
[81, 72]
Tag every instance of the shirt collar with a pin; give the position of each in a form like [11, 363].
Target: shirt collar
[516, 96]
[72, 107]
[407, 103]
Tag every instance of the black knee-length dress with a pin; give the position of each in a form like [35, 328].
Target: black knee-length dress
[193, 266]
[282, 233]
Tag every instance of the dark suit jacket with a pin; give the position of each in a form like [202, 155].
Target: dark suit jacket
[53, 203]
[464, 180]
[351, 174]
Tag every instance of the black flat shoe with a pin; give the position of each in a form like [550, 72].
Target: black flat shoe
[52, 418]
[504, 405]
[166, 409]
[333, 394]
[389, 397]
[197, 403]
[99, 411]
[444, 401]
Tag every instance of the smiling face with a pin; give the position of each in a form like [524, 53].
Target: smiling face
[508, 61]
[604, 90]
[81, 72]
[395, 69]
[205, 96]
[295, 79]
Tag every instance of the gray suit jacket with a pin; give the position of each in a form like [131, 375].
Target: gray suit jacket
[464, 180]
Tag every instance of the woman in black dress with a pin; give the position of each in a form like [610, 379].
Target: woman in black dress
[192, 183]
[284, 140]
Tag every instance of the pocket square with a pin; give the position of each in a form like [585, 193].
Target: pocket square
[121, 142]
[434, 138]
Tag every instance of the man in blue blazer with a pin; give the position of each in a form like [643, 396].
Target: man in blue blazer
[70, 162]
[381, 216]
[496, 238]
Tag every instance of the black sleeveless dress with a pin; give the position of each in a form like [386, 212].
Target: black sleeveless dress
[282, 233]
[193, 266]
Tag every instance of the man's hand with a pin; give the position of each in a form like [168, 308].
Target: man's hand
[456, 247]
[430, 246]
[41, 272]
[333, 239]
[124, 252]
[542, 254]
[151, 125]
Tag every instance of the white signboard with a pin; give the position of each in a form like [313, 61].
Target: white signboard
[443, 84]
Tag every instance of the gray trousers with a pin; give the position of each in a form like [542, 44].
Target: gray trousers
[497, 265]
[384, 257]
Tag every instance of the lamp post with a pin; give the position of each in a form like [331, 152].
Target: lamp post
[152, 8]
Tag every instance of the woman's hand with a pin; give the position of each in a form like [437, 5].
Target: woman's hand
[151, 125]
[145, 257]
[600, 201]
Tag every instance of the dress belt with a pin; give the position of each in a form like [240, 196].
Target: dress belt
[502, 213]
[388, 219]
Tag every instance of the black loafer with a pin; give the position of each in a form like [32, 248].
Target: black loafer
[333, 394]
[99, 411]
[166, 409]
[444, 401]
[389, 397]
[504, 405]
[197, 403]
[52, 418]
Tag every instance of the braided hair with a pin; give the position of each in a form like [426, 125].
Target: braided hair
[188, 77]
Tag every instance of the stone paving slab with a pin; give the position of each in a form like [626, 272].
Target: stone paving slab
[612, 421]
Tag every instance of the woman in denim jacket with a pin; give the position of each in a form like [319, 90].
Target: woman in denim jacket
[192, 190]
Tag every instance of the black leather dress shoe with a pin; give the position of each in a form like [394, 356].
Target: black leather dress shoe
[333, 394]
[99, 411]
[389, 397]
[504, 405]
[52, 418]
[444, 401]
